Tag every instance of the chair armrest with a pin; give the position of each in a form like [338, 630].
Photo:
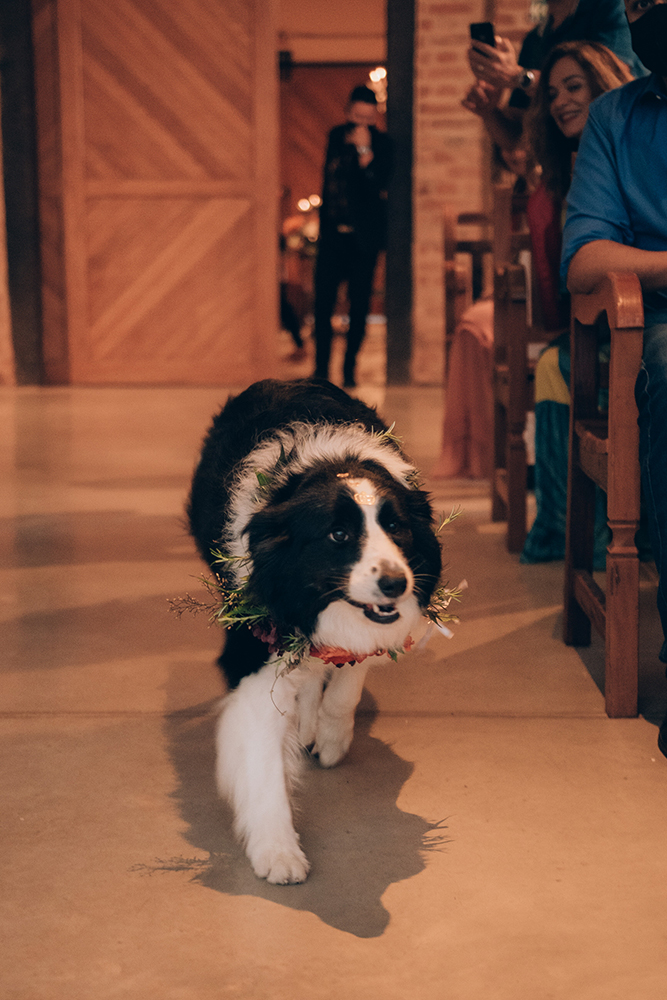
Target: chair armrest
[619, 295]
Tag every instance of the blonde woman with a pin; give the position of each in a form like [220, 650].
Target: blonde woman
[574, 74]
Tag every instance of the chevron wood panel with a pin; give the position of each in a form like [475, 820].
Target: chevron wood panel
[161, 195]
[189, 280]
[168, 89]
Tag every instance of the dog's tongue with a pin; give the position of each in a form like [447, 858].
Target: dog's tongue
[382, 614]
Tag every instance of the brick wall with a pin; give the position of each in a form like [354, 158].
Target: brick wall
[451, 152]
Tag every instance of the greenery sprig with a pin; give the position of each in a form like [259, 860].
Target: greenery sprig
[264, 480]
[233, 607]
[446, 519]
[438, 610]
[389, 435]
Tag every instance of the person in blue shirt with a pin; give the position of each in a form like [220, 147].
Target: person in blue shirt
[617, 221]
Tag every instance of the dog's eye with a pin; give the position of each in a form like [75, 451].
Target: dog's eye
[391, 521]
[338, 535]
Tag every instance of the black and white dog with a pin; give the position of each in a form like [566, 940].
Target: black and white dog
[305, 490]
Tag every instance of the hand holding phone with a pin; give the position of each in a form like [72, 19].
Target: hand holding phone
[496, 65]
[483, 31]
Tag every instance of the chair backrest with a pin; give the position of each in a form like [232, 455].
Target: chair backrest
[457, 275]
[604, 452]
[463, 255]
[512, 380]
[619, 298]
[510, 228]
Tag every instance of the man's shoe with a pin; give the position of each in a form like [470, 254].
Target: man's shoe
[662, 737]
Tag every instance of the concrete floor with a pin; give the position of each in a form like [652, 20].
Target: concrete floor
[491, 834]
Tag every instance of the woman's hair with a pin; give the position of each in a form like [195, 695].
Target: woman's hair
[553, 151]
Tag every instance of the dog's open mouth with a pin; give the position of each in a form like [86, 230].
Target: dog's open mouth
[382, 614]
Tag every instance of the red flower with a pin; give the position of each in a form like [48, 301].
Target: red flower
[269, 636]
[331, 654]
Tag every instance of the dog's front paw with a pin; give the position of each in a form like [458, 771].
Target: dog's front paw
[280, 864]
[334, 736]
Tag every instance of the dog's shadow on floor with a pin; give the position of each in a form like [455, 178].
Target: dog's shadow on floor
[357, 839]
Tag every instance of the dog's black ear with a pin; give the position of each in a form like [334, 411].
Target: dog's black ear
[271, 581]
[268, 533]
[426, 561]
[419, 506]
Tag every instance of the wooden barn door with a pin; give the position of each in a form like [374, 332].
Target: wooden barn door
[157, 138]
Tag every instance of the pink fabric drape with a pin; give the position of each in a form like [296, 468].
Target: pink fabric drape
[468, 425]
[467, 441]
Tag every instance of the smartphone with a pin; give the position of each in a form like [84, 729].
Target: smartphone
[483, 31]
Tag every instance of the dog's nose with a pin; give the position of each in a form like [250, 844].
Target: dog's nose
[392, 583]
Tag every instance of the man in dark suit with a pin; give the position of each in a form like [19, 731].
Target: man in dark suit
[352, 225]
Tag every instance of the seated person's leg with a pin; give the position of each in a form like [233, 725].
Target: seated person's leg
[651, 394]
[546, 538]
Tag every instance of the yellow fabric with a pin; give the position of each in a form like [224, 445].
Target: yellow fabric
[549, 383]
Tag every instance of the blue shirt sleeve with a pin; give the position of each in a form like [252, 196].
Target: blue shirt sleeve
[605, 21]
[596, 207]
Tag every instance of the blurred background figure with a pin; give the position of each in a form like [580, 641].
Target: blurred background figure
[352, 225]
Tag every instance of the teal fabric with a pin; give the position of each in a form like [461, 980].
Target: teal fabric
[546, 538]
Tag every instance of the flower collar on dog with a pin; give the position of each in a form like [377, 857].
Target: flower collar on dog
[328, 654]
[233, 607]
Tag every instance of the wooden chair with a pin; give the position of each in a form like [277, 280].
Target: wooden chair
[513, 368]
[604, 451]
[462, 279]
[513, 396]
